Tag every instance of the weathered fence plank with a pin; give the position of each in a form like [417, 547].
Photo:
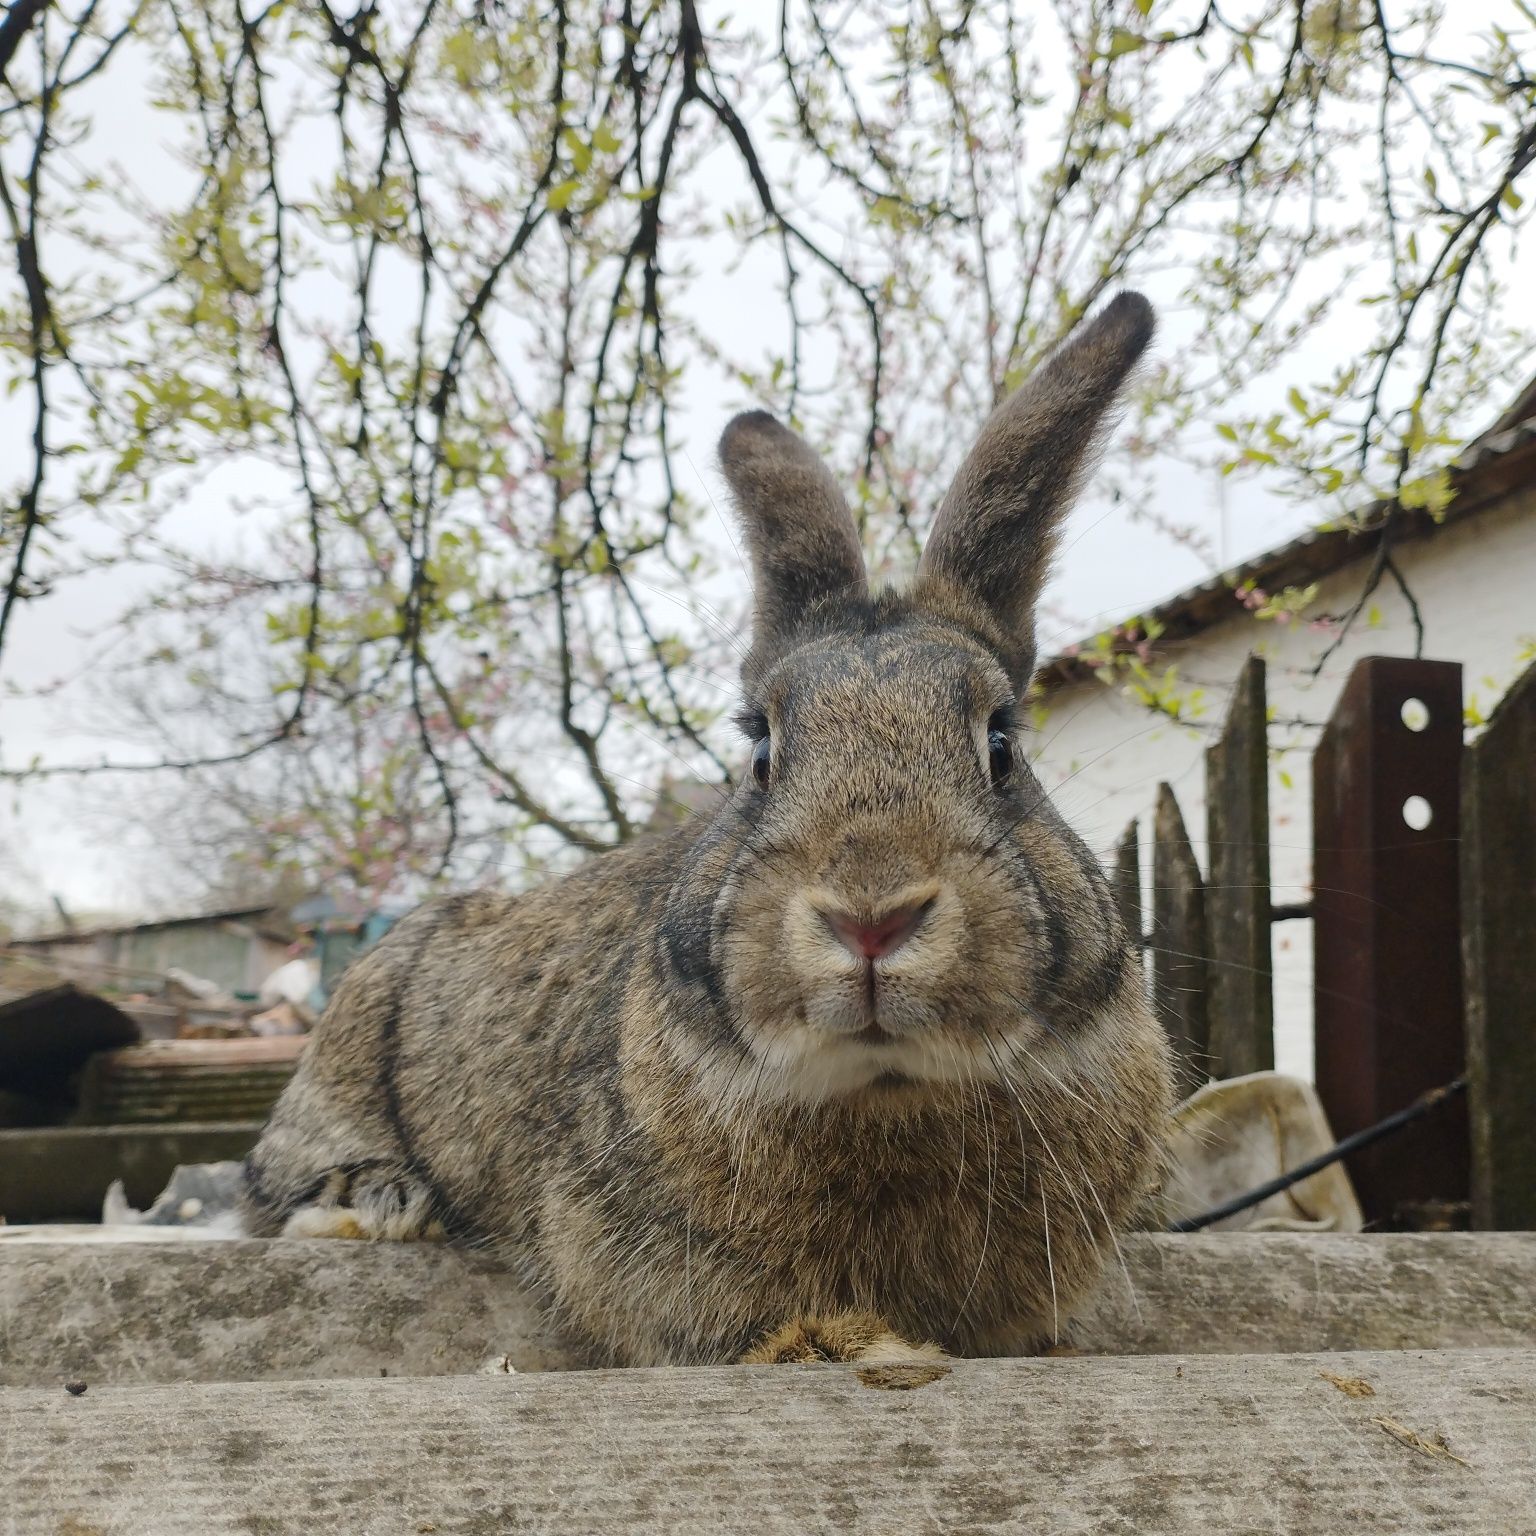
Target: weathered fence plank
[211, 1311]
[1251, 1444]
[1242, 1010]
[1180, 982]
[1386, 954]
[1126, 881]
[1498, 906]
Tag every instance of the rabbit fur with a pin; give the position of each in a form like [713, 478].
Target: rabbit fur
[700, 1123]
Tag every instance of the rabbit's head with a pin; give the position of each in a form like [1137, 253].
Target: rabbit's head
[889, 901]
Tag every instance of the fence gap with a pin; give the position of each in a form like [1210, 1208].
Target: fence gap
[1179, 945]
[1498, 908]
[1242, 1010]
[1387, 966]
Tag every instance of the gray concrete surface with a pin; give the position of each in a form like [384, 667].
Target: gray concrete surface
[1077, 1447]
[247, 1311]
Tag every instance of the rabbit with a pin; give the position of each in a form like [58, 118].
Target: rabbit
[858, 1067]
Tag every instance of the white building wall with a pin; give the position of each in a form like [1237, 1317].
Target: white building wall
[1102, 754]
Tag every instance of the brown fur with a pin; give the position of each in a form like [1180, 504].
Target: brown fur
[700, 1127]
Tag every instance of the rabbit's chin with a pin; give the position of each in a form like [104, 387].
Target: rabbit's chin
[803, 1064]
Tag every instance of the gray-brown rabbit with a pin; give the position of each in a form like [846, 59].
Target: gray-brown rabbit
[863, 1057]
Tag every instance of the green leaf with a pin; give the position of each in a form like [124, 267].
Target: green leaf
[1432, 492]
[1121, 41]
[559, 197]
[580, 153]
[605, 140]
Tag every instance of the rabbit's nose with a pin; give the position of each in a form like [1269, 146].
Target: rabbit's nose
[871, 940]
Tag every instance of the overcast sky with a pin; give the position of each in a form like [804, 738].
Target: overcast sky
[1109, 567]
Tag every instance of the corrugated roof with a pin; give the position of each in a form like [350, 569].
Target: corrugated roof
[268, 919]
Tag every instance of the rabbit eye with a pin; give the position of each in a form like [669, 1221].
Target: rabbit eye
[999, 749]
[762, 759]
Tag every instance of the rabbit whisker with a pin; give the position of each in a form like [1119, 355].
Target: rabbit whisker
[989, 1131]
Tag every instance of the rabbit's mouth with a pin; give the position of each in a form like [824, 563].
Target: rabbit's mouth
[806, 1064]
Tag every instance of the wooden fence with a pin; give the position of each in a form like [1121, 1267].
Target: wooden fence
[1424, 932]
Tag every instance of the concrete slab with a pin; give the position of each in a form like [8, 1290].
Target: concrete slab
[1172, 1445]
[231, 1311]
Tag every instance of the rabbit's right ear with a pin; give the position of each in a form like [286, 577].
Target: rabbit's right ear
[992, 541]
[806, 559]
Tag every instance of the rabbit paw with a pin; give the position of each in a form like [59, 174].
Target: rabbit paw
[371, 1206]
[856, 1336]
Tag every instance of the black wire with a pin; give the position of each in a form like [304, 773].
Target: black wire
[1420, 1106]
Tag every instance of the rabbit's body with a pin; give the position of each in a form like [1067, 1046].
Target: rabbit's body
[867, 1042]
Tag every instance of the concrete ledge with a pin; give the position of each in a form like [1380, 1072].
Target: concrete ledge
[1281, 1292]
[249, 1311]
[253, 1311]
[1074, 1447]
[48, 1175]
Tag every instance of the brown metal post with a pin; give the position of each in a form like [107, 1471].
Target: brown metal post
[1386, 814]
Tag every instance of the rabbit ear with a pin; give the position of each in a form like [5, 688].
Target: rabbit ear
[993, 538]
[805, 548]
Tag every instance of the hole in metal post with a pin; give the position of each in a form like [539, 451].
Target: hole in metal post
[1415, 713]
[1417, 812]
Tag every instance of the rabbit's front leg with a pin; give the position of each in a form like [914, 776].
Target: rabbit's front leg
[852, 1335]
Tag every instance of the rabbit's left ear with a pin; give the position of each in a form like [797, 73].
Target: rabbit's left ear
[994, 536]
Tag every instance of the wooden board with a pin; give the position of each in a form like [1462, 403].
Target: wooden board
[188, 1080]
[1498, 909]
[141, 1313]
[1242, 1009]
[1125, 879]
[1180, 981]
[1074, 1447]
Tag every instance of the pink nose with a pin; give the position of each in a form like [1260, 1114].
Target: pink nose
[869, 941]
